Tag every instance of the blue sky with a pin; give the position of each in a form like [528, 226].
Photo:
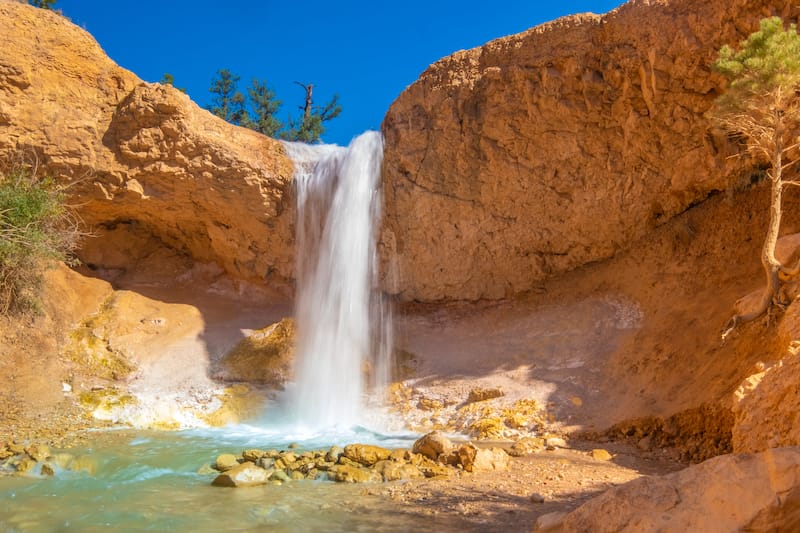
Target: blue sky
[368, 52]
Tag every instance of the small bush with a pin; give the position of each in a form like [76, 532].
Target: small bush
[36, 228]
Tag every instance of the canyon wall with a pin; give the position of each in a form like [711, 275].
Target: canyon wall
[149, 169]
[537, 153]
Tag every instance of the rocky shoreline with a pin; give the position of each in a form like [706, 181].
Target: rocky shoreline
[433, 455]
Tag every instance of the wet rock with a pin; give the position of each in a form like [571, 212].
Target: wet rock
[297, 475]
[351, 474]
[48, 470]
[433, 445]
[244, 475]
[526, 446]
[366, 454]
[5, 453]
[62, 460]
[325, 465]
[333, 454]
[479, 394]
[225, 462]
[84, 463]
[473, 458]
[400, 455]
[253, 455]
[15, 448]
[206, 469]
[38, 452]
[279, 475]
[288, 457]
[265, 462]
[293, 446]
[25, 465]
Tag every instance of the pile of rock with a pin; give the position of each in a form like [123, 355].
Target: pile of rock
[38, 460]
[431, 456]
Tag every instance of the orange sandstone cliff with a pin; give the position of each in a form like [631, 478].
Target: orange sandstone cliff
[537, 153]
[152, 170]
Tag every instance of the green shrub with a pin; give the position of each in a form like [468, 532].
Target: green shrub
[36, 228]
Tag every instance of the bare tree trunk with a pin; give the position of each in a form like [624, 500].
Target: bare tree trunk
[772, 267]
[309, 101]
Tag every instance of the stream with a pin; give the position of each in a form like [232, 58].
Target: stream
[152, 481]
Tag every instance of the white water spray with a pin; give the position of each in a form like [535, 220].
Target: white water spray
[344, 333]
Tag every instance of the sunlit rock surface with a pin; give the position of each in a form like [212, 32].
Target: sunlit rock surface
[748, 492]
[151, 168]
[537, 153]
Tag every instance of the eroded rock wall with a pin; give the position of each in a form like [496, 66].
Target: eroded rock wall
[543, 151]
[143, 156]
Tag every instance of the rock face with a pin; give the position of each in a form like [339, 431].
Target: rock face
[152, 169]
[265, 356]
[541, 152]
[766, 406]
[749, 492]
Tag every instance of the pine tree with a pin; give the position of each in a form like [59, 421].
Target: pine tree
[265, 109]
[310, 127]
[760, 108]
[228, 103]
[169, 79]
[44, 4]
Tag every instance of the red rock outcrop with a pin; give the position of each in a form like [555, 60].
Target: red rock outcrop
[540, 152]
[151, 168]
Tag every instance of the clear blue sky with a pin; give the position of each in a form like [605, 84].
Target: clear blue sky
[367, 51]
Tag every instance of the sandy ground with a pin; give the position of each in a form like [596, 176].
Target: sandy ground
[545, 482]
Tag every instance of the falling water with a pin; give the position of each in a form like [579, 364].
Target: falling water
[343, 329]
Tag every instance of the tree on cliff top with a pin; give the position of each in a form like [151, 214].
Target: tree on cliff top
[261, 113]
[228, 103]
[309, 128]
[44, 4]
[760, 109]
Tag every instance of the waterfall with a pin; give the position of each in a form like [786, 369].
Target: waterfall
[344, 332]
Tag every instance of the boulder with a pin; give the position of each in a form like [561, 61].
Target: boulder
[38, 452]
[225, 462]
[353, 474]
[433, 445]
[473, 458]
[536, 153]
[366, 454]
[393, 470]
[264, 356]
[746, 492]
[244, 475]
